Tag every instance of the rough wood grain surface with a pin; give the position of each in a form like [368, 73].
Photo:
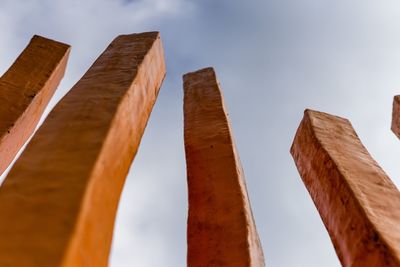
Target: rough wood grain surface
[58, 203]
[221, 230]
[357, 201]
[25, 90]
[396, 116]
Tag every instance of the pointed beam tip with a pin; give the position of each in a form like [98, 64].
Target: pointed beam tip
[39, 38]
[205, 77]
[151, 35]
[313, 118]
[199, 72]
[310, 113]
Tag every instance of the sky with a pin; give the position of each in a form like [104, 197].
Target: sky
[273, 58]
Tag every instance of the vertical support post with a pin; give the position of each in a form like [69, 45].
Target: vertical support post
[58, 202]
[357, 201]
[221, 228]
[25, 90]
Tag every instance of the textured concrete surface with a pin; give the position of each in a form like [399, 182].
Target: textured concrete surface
[25, 90]
[357, 201]
[396, 116]
[221, 229]
[58, 202]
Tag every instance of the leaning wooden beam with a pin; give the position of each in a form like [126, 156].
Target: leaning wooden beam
[357, 201]
[221, 229]
[58, 203]
[25, 90]
[396, 116]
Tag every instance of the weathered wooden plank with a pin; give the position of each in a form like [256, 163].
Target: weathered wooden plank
[221, 229]
[25, 90]
[58, 202]
[357, 201]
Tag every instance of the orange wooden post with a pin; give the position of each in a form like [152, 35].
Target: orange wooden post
[58, 203]
[25, 90]
[357, 201]
[221, 229]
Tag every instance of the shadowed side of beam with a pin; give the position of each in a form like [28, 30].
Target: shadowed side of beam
[58, 202]
[396, 116]
[221, 230]
[25, 90]
[357, 201]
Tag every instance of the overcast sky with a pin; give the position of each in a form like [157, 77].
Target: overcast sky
[274, 58]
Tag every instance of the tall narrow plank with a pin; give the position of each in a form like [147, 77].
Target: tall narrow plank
[58, 203]
[221, 228]
[357, 201]
[396, 116]
[25, 90]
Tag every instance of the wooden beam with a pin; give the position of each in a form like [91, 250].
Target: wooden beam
[396, 116]
[58, 202]
[221, 228]
[357, 201]
[25, 90]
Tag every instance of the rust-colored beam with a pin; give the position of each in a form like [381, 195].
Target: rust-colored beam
[396, 116]
[221, 229]
[25, 90]
[357, 201]
[58, 203]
